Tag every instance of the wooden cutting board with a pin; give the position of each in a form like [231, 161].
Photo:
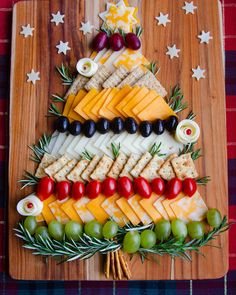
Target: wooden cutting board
[29, 106]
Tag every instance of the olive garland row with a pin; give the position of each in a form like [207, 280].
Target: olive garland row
[117, 125]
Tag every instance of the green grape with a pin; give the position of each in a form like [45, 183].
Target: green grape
[148, 239]
[214, 217]
[43, 232]
[195, 229]
[93, 229]
[162, 230]
[73, 230]
[110, 229]
[179, 229]
[56, 230]
[30, 224]
[131, 242]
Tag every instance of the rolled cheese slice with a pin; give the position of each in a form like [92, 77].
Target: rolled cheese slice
[86, 67]
[187, 131]
[30, 206]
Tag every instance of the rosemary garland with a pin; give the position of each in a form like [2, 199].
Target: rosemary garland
[57, 98]
[86, 247]
[66, 76]
[54, 111]
[28, 180]
[40, 149]
[203, 180]
[189, 148]
[175, 100]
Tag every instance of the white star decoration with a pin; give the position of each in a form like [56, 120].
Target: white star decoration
[162, 19]
[27, 31]
[63, 47]
[198, 73]
[33, 77]
[205, 37]
[57, 18]
[86, 28]
[189, 7]
[173, 51]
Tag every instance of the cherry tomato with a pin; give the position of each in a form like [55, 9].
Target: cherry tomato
[173, 188]
[93, 189]
[77, 190]
[142, 187]
[158, 186]
[189, 186]
[109, 186]
[45, 188]
[62, 190]
[125, 187]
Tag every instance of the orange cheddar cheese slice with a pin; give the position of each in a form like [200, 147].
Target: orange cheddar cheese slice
[72, 114]
[128, 211]
[95, 208]
[157, 109]
[69, 210]
[111, 208]
[58, 213]
[68, 104]
[95, 110]
[104, 112]
[160, 208]
[39, 218]
[138, 209]
[81, 209]
[126, 99]
[118, 98]
[134, 101]
[88, 108]
[144, 102]
[84, 101]
[166, 204]
[147, 205]
[46, 212]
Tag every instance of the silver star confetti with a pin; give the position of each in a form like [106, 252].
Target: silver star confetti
[57, 18]
[198, 73]
[173, 51]
[27, 31]
[63, 47]
[189, 7]
[86, 28]
[162, 19]
[33, 77]
[205, 37]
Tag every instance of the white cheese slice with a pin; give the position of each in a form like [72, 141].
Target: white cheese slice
[137, 144]
[138, 209]
[105, 148]
[81, 145]
[147, 142]
[52, 141]
[71, 148]
[168, 144]
[82, 211]
[66, 143]
[90, 145]
[59, 142]
[120, 139]
[160, 208]
[128, 143]
[110, 61]
[99, 55]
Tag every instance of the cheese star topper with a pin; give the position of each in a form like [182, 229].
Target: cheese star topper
[119, 16]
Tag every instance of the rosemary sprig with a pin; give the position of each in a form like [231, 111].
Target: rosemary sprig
[115, 149]
[138, 31]
[196, 154]
[29, 180]
[66, 77]
[40, 149]
[152, 67]
[191, 116]
[189, 148]
[53, 110]
[57, 98]
[87, 156]
[86, 247]
[175, 100]
[203, 180]
[155, 150]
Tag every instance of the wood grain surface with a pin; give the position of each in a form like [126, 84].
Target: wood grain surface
[29, 105]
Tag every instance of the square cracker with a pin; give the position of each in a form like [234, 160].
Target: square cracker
[46, 160]
[184, 167]
[166, 171]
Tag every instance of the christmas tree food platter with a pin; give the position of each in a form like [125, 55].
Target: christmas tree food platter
[114, 173]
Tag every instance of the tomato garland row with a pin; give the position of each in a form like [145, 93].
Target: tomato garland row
[123, 186]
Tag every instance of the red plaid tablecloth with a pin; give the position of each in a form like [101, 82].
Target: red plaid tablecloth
[226, 285]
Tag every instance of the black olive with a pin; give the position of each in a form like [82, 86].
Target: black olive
[158, 127]
[103, 126]
[145, 128]
[131, 125]
[117, 125]
[75, 128]
[62, 124]
[171, 123]
[89, 128]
